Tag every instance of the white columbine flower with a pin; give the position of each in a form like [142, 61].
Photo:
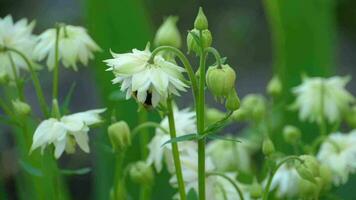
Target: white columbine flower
[75, 45]
[64, 132]
[338, 152]
[185, 122]
[149, 83]
[17, 35]
[322, 97]
[286, 181]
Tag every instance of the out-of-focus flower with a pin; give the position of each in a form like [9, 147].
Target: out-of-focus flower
[62, 132]
[142, 173]
[149, 83]
[74, 45]
[17, 35]
[185, 122]
[338, 152]
[253, 107]
[21, 108]
[286, 181]
[168, 33]
[119, 135]
[274, 86]
[319, 98]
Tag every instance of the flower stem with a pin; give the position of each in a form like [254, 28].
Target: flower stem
[273, 172]
[36, 82]
[216, 54]
[147, 125]
[238, 190]
[56, 65]
[16, 77]
[175, 151]
[200, 106]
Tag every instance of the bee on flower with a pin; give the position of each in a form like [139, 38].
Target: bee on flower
[65, 132]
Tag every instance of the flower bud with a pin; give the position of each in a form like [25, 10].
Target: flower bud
[141, 173]
[232, 102]
[220, 81]
[70, 145]
[255, 190]
[119, 134]
[254, 106]
[192, 44]
[201, 22]
[309, 168]
[168, 33]
[351, 117]
[267, 147]
[291, 134]
[309, 189]
[239, 115]
[21, 108]
[274, 87]
[213, 115]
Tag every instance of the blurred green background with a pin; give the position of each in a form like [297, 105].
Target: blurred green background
[259, 37]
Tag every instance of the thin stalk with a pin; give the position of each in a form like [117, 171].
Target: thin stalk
[273, 172]
[56, 65]
[138, 128]
[216, 54]
[322, 124]
[238, 190]
[175, 152]
[36, 82]
[118, 173]
[16, 77]
[200, 106]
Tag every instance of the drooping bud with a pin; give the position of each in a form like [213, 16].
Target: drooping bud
[220, 81]
[253, 107]
[274, 86]
[308, 169]
[255, 190]
[291, 134]
[193, 45]
[119, 135]
[141, 173]
[201, 22]
[232, 101]
[21, 108]
[267, 147]
[239, 115]
[168, 33]
[309, 189]
[213, 115]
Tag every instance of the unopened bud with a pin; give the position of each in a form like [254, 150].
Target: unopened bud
[201, 22]
[267, 147]
[239, 115]
[274, 86]
[193, 45]
[21, 108]
[255, 190]
[141, 173]
[168, 33]
[255, 106]
[220, 80]
[213, 115]
[232, 101]
[309, 189]
[291, 134]
[308, 169]
[120, 136]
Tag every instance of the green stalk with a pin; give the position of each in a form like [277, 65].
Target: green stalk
[200, 106]
[118, 174]
[56, 66]
[175, 151]
[36, 82]
[322, 124]
[16, 77]
[136, 130]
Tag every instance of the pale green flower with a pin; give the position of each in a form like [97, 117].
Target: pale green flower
[322, 97]
[150, 83]
[75, 45]
[17, 35]
[61, 132]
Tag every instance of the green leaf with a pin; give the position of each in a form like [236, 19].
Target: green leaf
[30, 169]
[117, 95]
[71, 172]
[64, 107]
[217, 125]
[218, 137]
[192, 195]
[183, 138]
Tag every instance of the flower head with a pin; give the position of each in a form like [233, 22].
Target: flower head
[149, 83]
[74, 45]
[17, 35]
[62, 132]
[319, 98]
[338, 152]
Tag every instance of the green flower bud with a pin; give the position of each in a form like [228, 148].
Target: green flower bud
[309, 168]
[351, 117]
[201, 22]
[309, 189]
[70, 145]
[274, 87]
[254, 107]
[21, 108]
[168, 33]
[213, 115]
[120, 136]
[255, 190]
[141, 173]
[267, 147]
[232, 102]
[192, 44]
[291, 134]
[239, 115]
[220, 81]
[326, 177]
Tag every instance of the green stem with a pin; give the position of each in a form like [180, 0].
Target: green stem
[216, 55]
[36, 82]
[185, 62]
[16, 77]
[138, 128]
[273, 172]
[238, 190]
[56, 65]
[322, 124]
[118, 174]
[200, 106]
[175, 151]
